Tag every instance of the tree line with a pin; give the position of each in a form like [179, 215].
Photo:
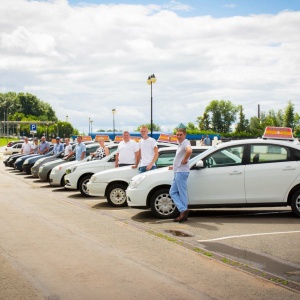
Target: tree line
[27, 107]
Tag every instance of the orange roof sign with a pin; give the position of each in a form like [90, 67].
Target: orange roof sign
[86, 138]
[282, 133]
[119, 138]
[167, 138]
[104, 136]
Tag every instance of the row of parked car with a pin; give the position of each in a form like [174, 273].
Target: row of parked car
[245, 173]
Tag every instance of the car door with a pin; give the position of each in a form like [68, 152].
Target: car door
[270, 173]
[221, 181]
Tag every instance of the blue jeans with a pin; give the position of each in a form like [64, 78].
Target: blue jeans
[178, 190]
[143, 169]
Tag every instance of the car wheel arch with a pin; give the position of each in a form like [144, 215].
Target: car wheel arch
[154, 190]
[292, 192]
[114, 183]
[83, 175]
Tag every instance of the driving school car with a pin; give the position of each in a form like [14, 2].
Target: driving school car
[246, 173]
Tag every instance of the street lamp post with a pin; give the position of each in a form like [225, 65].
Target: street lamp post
[150, 81]
[114, 129]
[67, 118]
[89, 126]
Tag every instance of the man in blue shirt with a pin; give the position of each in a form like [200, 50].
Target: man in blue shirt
[79, 150]
[43, 146]
[58, 147]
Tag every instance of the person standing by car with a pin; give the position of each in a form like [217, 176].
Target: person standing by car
[35, 146]
[68, 147]
[178, 190]
[58, 147]
[102, 151]
[26, 147]
[79, 150]
[148, 152]
[44, 146]
[127, 152]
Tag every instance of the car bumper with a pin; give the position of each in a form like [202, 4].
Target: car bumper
[96, 188]
[137, 197]
[34, 172]
[42, 176]
[55, 179]
[69, 184]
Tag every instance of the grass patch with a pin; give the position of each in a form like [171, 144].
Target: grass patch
[4, 141]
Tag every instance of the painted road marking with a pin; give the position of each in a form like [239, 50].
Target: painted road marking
[246, 235]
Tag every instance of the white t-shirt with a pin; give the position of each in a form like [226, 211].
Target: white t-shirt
[68, 149]
[26, 148]
[147, 150]
[127, 152]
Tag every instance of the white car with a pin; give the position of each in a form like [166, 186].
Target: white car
[113, 183]
[57, 175]
[16, 148]
[78, 176]
[245, 173]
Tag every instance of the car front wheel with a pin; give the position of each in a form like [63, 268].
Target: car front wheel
[116, 195]
[162, 205]
[295, 203]
[83, 185]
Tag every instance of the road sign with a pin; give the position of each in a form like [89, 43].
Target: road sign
[33, 128]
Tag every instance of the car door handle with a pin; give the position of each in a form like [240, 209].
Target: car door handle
[235, 173]
[289, 169]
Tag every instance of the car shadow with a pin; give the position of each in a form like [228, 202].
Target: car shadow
[227, 216]
[105, 205]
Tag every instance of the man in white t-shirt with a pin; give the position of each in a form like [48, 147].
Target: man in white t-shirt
[68, 147]
[127, 152]
[148, 152]
[26, 147]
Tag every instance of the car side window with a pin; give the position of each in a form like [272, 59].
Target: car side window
[269, 153]
[165, 159]
[225, 157]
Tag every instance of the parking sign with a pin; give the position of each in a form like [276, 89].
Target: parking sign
[33, 128]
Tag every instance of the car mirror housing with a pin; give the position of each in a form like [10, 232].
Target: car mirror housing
[200, 164]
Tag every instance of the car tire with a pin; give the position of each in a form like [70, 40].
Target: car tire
[83, 185]
[162, 205]
[295, 203]
[116, 195]
[62, 181]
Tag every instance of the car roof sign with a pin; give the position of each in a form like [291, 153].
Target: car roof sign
[280, 133]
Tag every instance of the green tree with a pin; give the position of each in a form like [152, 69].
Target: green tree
[243, 124]
[223, 115]
[255, 127]
[204, 122]
[288, 117]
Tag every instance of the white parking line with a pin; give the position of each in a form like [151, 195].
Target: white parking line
[246, 235]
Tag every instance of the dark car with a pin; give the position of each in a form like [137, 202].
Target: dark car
[10, 161]
[28, 163]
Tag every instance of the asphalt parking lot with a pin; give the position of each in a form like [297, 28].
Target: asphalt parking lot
[264, 242]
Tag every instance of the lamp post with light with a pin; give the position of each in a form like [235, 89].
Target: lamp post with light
[114, 129]
[150, 81]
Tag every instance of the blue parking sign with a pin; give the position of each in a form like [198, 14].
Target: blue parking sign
[33, 127]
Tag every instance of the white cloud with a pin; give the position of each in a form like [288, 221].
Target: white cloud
[88, 59]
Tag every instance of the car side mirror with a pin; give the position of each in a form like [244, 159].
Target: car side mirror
[200, 164]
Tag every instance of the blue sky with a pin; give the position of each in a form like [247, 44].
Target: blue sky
[89, 58]
[214, 8]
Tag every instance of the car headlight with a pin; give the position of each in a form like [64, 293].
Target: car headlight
[41, 168]
[136, 181]
[70, 170]
[18, 159]
[26, 161]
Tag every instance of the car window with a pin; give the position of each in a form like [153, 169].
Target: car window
[269, 153]
[165, 159]
[225, 157]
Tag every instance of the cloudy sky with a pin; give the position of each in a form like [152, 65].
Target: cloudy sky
[86, 58]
